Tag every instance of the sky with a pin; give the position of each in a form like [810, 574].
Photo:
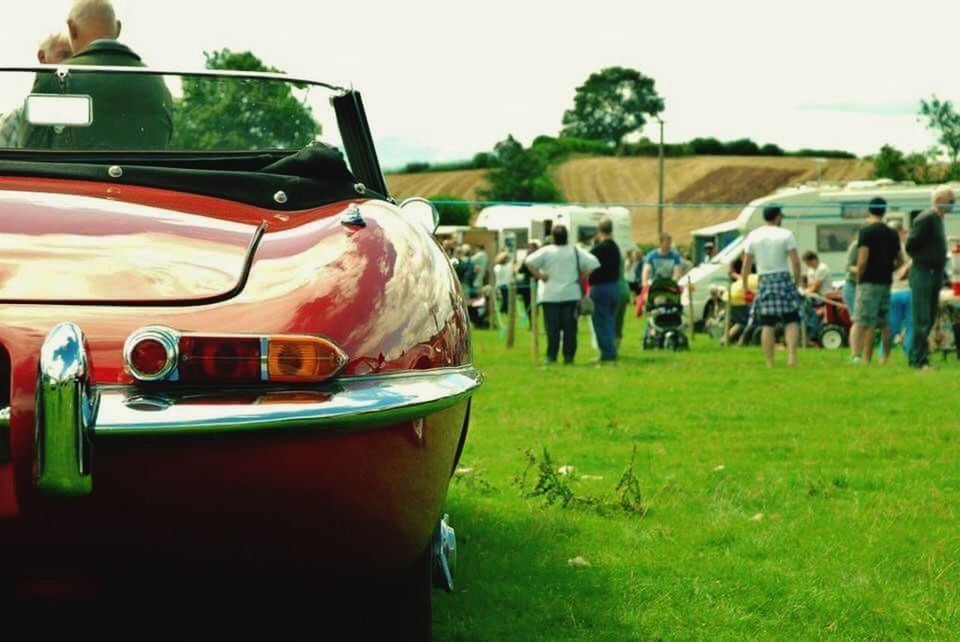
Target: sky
[443, 80]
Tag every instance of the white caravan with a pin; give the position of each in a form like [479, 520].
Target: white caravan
[517, 225]
[823, 218]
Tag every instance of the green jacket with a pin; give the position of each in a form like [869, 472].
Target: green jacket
[132, 112]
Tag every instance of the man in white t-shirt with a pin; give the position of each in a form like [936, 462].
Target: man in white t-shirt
[774, 250]
[555, 267]
[818, 275]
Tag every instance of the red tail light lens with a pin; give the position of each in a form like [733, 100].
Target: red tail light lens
[150, 354]
[210, 359]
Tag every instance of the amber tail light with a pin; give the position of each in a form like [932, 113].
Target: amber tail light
[162, 354]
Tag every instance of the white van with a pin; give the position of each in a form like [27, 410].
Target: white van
[517, 225]
[823, 218]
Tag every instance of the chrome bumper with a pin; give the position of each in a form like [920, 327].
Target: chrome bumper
[72, 414]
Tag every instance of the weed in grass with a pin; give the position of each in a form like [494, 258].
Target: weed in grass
[553, 485]
[628, 489]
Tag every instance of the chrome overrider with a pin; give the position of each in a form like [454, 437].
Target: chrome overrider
[65, 409]
[72, 414]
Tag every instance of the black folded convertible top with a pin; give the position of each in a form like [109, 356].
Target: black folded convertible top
[316, 175]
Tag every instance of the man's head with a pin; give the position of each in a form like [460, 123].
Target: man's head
[533, 246]
[773, 214]
[91, 20]
[943, 199]
[877, 207]
[810, 259]
[605, 228]
[559, 235]
[666, 242]
[53, 49]
[709, 248]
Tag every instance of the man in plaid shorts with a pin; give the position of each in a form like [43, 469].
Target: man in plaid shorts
[774, 250]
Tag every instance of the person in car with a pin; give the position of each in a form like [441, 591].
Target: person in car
[129, 111]
[51, 50]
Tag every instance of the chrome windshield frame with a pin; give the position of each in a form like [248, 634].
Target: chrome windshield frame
[156, 71]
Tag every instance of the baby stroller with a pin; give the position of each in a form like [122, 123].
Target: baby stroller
[664, 317]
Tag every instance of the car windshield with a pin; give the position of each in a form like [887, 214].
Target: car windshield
[133, 110]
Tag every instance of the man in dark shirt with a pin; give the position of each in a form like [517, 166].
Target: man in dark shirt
[605, 290]
[927, 247]
[130, 111]
[879, 254]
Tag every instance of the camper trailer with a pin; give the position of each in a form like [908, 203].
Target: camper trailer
[825, 219]
[517, 225]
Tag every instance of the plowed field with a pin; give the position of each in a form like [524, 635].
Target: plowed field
[726, 181]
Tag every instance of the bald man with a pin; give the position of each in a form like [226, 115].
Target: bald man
[51, 51]
[129, 111]
[927, 246]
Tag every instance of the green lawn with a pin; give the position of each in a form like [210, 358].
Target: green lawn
[784, 504]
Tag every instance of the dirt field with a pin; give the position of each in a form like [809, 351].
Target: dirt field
[728, 180]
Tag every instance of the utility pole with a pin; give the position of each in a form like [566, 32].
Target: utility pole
[660, 197]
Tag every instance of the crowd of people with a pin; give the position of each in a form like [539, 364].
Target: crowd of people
[563, 276]
[891, 291]
[892, 286]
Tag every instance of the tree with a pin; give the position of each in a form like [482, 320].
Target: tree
[943, 119]
[453, 210]
[611, 104]
[521, 176]
[742, 147]
[771, 150]
[236, 114]
[890, 163]
[484, 160]
[707, 146]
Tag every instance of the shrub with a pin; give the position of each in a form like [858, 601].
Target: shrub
[453, 210]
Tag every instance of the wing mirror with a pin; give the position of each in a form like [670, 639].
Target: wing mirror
[422, 211]
[59, 110]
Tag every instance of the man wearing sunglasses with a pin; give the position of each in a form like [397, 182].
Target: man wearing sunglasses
[927, 246]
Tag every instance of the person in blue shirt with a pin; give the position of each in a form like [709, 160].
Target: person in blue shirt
[662, 263]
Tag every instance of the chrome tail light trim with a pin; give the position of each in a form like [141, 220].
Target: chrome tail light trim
[65, 409]
[168, 338]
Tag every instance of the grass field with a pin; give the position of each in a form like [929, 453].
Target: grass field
[816, 503]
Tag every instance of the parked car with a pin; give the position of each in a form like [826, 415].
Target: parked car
[227, 356]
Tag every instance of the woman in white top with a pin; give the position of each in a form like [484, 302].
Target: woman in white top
[559, 290]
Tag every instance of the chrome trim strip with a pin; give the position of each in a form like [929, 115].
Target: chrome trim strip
[348, 405]
[5, 434]
[65, 409]
[154, 71]
[264, 359]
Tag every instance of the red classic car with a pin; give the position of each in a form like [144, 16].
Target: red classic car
[225, 352]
